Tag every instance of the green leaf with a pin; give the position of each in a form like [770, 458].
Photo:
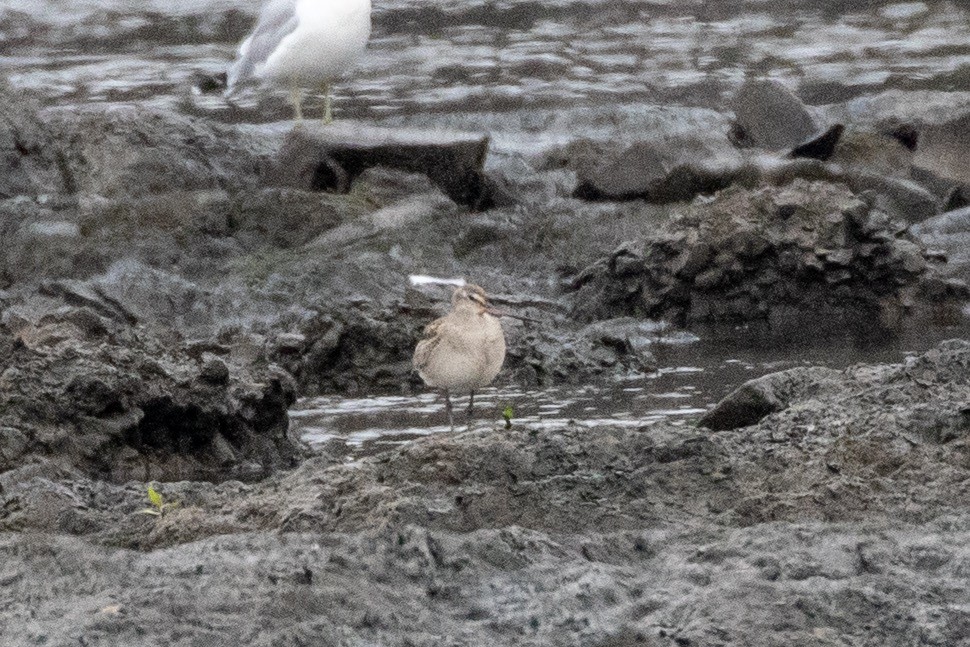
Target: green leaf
[508, 413]
[154, 497]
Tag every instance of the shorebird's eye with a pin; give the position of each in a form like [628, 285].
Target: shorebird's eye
[477, 298]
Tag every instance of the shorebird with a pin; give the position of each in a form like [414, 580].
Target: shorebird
[464, 350]
[299, 44]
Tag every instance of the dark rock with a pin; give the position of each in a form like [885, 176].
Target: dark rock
[215, 372]
[30, 160]
[669, 169]
[13, 445]
[290, 343]
[957, 197]
[752, 401]
[949, 234]
[129, 409]
[124, 151]
[942, 149]
[831, 256]
[331, 158]
[906, 134]
[821, 147]
[904, 199]
[768, 115]
[619, 347]
[875, 151]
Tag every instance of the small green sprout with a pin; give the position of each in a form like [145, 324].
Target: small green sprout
[507, 415]
[159, 507]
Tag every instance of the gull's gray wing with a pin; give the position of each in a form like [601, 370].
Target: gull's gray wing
[276, 21]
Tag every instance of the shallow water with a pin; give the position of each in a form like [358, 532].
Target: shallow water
[429, 60]
[691, 380]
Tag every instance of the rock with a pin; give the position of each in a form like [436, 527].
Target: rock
[780, 251]
[30, 160]
[125, 151]
[38, 243]
[821, 147]
[13, 445]
[956, 197]
[951, 222]
[755, 399]
[215, 372]
[950, 234]
[127, 408]
[903, 199]
[135, 290]
[669, 169]
[290, 343]
[768, 115]
[885, 152]
[332, 158]
[538, 357]
[942, 149]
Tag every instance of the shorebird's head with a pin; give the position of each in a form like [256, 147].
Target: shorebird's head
[470, 296]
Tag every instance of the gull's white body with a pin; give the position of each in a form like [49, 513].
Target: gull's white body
[303, 43]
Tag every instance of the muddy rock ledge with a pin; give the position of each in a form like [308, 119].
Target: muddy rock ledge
[80, 395]
[841, 518]
[808, 251]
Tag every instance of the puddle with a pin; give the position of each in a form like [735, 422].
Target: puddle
[693, 378]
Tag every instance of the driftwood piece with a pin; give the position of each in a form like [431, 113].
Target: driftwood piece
[329, 158]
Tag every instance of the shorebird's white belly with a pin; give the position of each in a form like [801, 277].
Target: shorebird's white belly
[330, 37]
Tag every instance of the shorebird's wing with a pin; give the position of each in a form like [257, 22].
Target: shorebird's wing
[276, 21]
[425, 347]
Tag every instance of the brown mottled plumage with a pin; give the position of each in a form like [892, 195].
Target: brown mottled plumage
[464, 350]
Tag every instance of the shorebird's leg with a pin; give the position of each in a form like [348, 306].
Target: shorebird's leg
[296, 98]
[327, 105]
[471, 407]
[451, 417]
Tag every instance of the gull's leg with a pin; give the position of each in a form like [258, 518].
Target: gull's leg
[327, 104]
[451, 417]
[296, 98]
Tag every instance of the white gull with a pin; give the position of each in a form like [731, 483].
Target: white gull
[301, 44]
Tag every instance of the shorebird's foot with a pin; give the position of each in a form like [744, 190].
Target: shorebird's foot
[296, 98]
[471, 409]
[327, 105]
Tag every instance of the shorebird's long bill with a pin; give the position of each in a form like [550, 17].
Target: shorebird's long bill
[419, 279]
[502, 313]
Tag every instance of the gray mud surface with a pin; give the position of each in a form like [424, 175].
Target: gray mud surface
[839, 519]
[181, 277]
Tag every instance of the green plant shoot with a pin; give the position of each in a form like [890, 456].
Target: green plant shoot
[507, 415]
[159, 507]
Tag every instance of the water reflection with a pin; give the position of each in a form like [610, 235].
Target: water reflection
[694, 377]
